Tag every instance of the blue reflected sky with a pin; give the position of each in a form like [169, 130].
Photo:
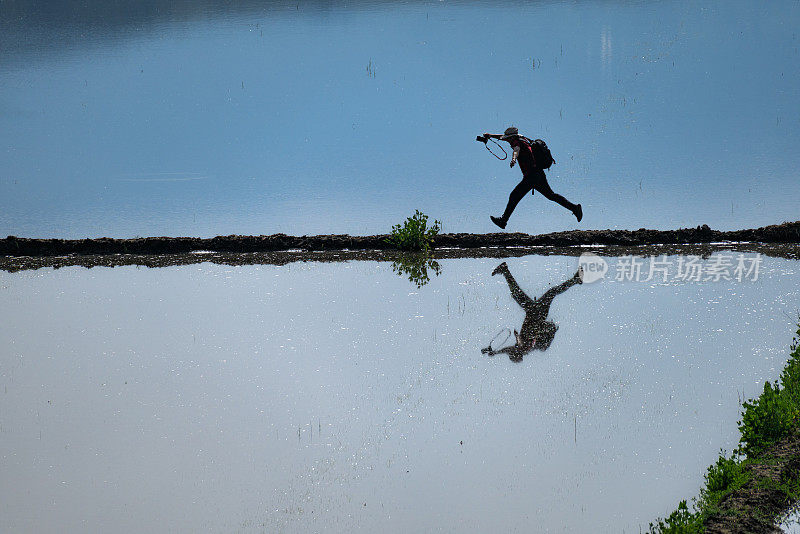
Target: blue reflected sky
[201, 119]
[265, 398]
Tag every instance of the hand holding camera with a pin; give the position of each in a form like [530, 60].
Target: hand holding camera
[485, 140]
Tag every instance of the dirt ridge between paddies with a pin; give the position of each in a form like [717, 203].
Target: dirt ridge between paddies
[788, 232]
[765, 497]
[283, 257]
[750, 490]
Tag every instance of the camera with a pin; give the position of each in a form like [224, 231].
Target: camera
[482, 139]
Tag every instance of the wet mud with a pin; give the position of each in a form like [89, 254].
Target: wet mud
[23, 253]
[754, 507]
[21, 263]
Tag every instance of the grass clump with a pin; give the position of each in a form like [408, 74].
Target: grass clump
[415, 266]
[414, 234]
[767, 419]
[679, 521]
[722, 477]
[772, 417]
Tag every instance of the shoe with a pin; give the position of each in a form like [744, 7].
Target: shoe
[500, 268]
[578, 212]
[498, 221]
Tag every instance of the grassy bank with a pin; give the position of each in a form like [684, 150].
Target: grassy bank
[747, 490]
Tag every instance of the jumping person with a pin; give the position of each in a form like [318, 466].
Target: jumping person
[536, 331]
[533, 177]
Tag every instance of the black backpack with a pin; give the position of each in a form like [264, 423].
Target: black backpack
[541, 154]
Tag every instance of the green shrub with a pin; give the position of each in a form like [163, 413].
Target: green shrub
[767, 419]
[415, 265]
[790, 377]
[681, 521]
[721, 476]
[414, 234]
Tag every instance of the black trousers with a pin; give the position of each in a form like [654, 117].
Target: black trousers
[535, 180]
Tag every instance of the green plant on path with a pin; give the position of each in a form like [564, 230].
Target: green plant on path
[414, 234]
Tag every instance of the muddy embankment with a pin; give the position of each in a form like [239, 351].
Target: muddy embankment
[754, 507]
[24, 253]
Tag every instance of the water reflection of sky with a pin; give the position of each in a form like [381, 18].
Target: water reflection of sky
[205, 119]
[343, 397]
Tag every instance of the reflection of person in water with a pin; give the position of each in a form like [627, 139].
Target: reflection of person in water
[536, 331]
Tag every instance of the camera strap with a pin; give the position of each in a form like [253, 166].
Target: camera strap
[505, 154]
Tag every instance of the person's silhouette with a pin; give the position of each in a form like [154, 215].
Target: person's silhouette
[533, 176]
[536, 331]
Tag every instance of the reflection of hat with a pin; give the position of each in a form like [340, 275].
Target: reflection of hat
[509, 133]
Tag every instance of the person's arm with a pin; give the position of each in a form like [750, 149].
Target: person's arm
[515, 154]
[500, 136]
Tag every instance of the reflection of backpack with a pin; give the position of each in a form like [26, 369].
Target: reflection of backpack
[541, 154]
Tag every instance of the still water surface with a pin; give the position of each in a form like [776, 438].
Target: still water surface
[340, 397]
[208, 118]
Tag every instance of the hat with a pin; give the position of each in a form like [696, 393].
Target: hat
[509, 133]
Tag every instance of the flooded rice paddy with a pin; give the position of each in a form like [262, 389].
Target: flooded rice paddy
[339, 397]
[265, 394]
[209, 117]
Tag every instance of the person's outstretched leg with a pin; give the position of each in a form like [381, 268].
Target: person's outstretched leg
[553, 292]
[516, 292]
[543, 187]
[543, 303]
[516, 195]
